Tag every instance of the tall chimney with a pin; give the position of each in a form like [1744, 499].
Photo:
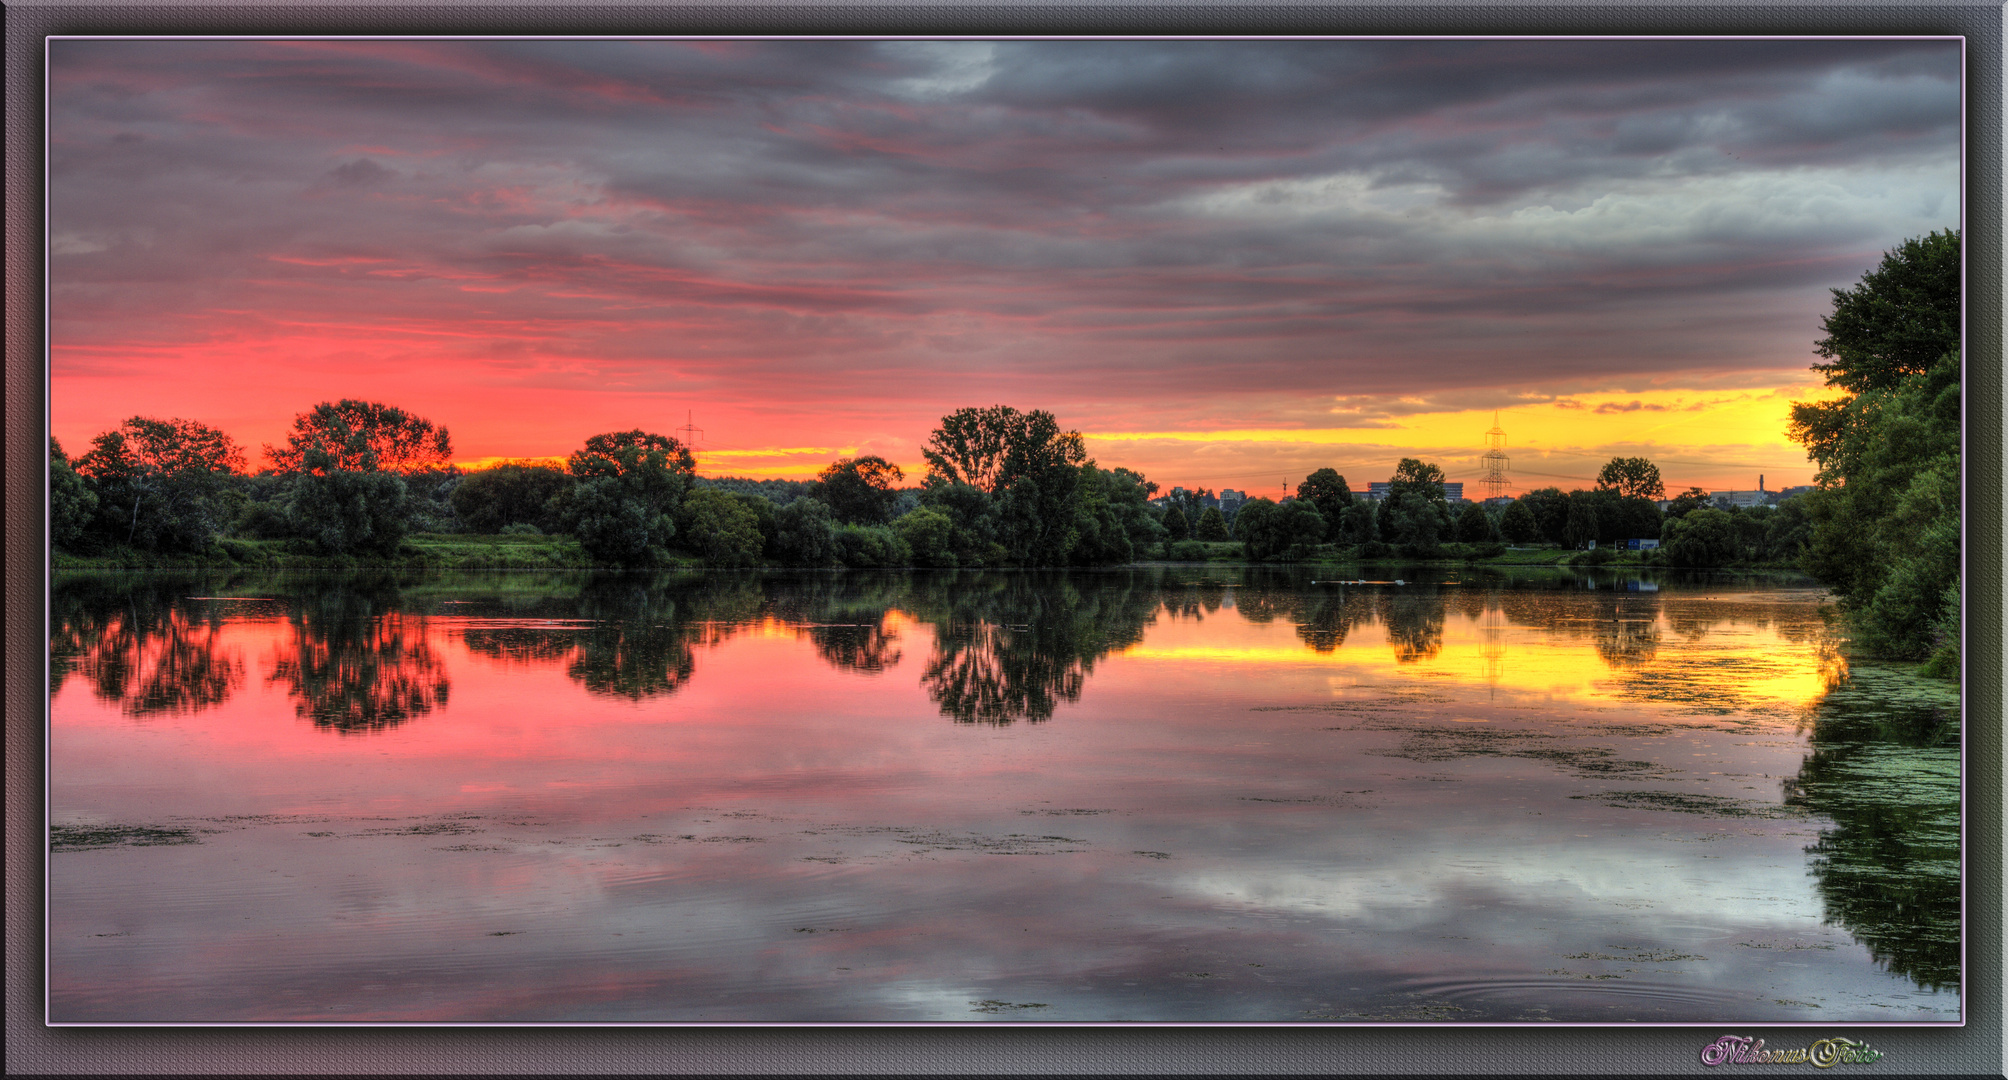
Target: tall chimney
[1760, 483]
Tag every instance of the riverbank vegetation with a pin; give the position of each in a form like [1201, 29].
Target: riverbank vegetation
[361, 483]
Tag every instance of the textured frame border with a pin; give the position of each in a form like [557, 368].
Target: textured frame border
[1974, 1050]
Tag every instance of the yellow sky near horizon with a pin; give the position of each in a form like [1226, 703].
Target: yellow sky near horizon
[1713, 439]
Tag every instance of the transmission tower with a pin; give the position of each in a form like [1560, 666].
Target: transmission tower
[690, 431]
[1495, 461]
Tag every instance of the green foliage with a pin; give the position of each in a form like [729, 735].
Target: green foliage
[867, 547]
[361, 436]
[973, 514]
[1550, 508]
[804, 534]
[1212, 525]
[929, 535]
[859, 491]
[1473, 527]
[1327, 490]
[72, 504]
[1580, 527]
[1632, 478]
[1517, 524]
[720, 527]
[509, 494]
[1176, 526]
[160, 484]
[1419, 478]
[1413, 521]
[631, 485]
[1687, 502]
[1702, 538]
[1260, 528]
[1898, 321]
[1621, 518]
[1360, 523]
[614, 529]
[1268, 530]
[1883, 527]
[1127, 496]
[778, 492]
[347, 513]
[1302, 527]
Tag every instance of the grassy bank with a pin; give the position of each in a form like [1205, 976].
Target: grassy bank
[460, 551]
[422, 551]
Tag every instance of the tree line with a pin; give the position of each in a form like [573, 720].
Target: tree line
[355, 478]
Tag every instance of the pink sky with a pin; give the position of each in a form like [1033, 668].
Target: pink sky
[1227, 263]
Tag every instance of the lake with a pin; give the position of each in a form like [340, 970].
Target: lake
[1163, 793]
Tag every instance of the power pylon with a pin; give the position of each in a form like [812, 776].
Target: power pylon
[1495, 461]
[690, 431]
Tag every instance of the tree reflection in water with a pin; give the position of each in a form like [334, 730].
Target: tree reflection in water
[1415, 618]
[356, 662]
[1629, 637]
[1887, 773]
[148, 645]
[1010, 647]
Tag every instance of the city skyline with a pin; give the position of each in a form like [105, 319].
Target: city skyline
[1225, 263]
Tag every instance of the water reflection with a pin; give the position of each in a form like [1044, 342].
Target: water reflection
[1266, 759]
[1885, 768]
[364, 651]
[144, 644]
[357, 663]
[1010, 647]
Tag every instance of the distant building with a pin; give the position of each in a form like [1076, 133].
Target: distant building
[1727, 499]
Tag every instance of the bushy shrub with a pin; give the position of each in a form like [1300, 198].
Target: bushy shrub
[720, 527]
[929, 536]
[509, 494]
[804, 534]
[347, 513]
[870, 546]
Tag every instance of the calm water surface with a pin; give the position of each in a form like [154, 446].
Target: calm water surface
[1172, 794]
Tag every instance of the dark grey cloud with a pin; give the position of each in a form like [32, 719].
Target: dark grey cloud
[1397, 214]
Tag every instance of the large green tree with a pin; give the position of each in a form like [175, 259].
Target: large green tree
[1416, 515]
[160, 484]
[1327, 490]
[1632, 478]
[361, 436]
[1884, 519]
[630, 486]
[1033, 474]
[71, 502]
[860, 490]
[347, 460]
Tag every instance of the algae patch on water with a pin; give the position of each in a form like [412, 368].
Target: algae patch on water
[88, 837]
[1684, 803]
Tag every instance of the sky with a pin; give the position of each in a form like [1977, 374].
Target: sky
[1226, 263]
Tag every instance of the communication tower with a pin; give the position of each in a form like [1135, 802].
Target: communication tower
[1495, 461]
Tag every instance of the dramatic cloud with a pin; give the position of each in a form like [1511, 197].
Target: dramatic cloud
[832, 244]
